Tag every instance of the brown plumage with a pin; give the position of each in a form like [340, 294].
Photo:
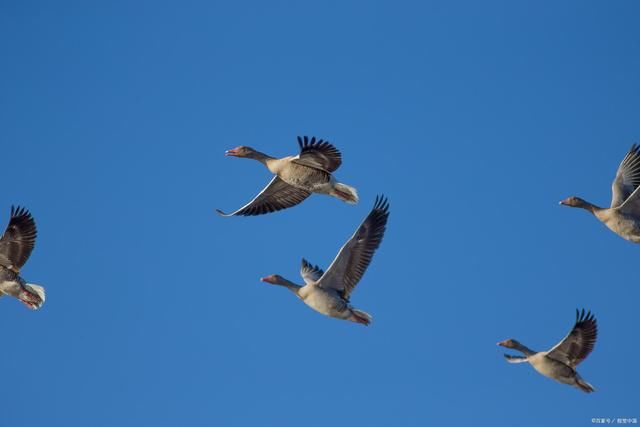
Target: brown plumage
[16, 246]
[296, 177]
[18, 240]
[560, 362]
[328, 292]
[623, 216]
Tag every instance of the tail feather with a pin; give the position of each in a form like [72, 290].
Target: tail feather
[361, 317]
[345, 193]
[584, 386]
[32, 302]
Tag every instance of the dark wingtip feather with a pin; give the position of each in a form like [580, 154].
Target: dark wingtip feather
[585, 317]
[381, 203]
[588, 326]
[21, 232]
[21, 215]
[18, 211]
[303, 141]
[579, 315]
[306, 265]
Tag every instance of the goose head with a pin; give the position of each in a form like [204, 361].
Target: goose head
[575, 202]
[274, 279]
[510, 343]
[241, 151]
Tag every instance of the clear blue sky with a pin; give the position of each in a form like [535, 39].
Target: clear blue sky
[475, 118]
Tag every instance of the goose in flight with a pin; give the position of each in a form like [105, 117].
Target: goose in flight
[328, 292]
[623, 217]
[560, 362]
[16, 245]
[296, 177]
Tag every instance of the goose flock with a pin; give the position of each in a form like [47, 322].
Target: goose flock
[328, 292]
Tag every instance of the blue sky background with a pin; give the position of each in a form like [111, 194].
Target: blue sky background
[475, 118]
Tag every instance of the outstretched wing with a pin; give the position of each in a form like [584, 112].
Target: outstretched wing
[627, 178]
[276, 195]
[631, 206]
[355, 256]
[577, 345]
[18, 240]
[318, 154]
[309, 272]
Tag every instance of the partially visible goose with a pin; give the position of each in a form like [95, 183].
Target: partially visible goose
[560, 362]
[623, 217]
[328, 292]
[296, 177]
[16, 245]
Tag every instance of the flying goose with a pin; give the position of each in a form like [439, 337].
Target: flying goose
[328, 292]
[560, 362]
[296, 177]
[623, 217]
[16, 245]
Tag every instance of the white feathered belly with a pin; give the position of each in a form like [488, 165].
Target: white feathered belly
[551, 368]
[311, 186]
[9, 287]
[323, 303]
[626, 228]
[307, 179]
